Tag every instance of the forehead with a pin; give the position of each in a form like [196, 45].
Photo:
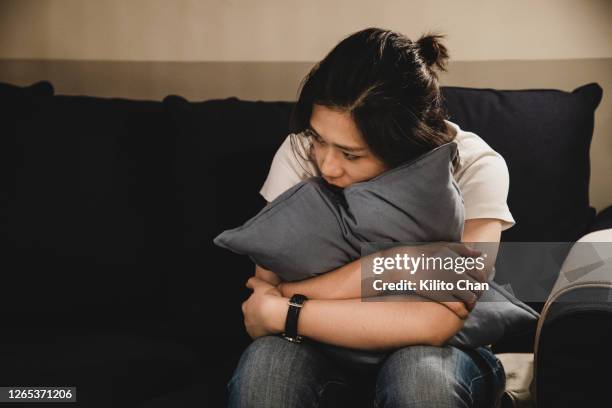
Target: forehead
[336, 126]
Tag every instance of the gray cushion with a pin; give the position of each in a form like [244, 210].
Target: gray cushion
[314, 227]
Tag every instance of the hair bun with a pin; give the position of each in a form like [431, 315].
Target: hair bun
[433, 51]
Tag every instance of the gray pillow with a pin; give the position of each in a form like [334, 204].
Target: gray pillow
[314, 227]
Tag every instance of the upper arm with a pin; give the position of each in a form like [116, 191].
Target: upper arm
[482, 230]
[484, 234]
[484, 184]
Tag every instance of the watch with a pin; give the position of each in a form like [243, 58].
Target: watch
[291, 323]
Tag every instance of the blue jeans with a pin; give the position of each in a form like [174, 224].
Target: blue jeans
[273, 372]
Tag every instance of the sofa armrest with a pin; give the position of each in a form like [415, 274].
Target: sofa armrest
[603, 220]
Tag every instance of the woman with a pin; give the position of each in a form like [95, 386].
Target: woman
[371, 104]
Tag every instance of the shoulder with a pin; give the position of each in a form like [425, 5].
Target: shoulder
[292, 155]
[287, 169]
[474, 151]
[483, 178]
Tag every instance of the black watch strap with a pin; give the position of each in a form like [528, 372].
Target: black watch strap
[291, 324]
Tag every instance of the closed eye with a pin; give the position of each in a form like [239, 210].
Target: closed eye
[349, 156]
[319, 140]
[315, 137]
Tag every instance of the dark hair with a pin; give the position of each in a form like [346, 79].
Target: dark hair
[388, 84]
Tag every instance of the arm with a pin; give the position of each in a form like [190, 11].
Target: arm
[341, 283]
[378, 325]
[365, 325]
[484, 230]
[368, 325]
[345, 282]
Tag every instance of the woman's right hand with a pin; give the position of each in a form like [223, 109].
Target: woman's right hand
[265, 310]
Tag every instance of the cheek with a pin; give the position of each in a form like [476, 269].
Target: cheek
[316, 154]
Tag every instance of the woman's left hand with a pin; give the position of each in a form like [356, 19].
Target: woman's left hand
[265, 310]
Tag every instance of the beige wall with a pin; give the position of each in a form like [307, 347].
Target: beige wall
[260, 49]
[296, 30]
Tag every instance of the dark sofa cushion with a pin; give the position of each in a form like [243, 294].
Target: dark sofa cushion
[10, 92]
[603, 220]
[90, 217]
[223, 152]
[544, 136]
[14, 103]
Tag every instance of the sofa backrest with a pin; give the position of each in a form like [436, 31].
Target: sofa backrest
[544, 136]
[129, 194]
[90, 216]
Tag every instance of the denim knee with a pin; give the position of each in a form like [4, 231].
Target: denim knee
[426, 376]
[273, 372]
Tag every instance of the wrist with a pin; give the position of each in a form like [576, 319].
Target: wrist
[276, 313]
[287, 289]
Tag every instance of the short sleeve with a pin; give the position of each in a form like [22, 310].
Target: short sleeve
[484, 185]
[285, 172]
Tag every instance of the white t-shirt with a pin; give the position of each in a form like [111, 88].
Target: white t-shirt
[482, 176]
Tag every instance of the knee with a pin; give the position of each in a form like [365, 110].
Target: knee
[269, 373]
[422, 376]
[250, 381]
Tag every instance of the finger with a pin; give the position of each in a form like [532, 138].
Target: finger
[471, 287]
[257, 283]
[477, 292]
[470, 305]
[464, 250]
[457, 308]
[477, 275]
[465, 296]
[253, 282]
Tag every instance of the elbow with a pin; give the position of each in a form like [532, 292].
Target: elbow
[438, 340]
[445, 331]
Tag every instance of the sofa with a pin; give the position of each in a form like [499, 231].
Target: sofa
[109, 208]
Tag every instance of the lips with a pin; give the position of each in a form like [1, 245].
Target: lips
[331, 183]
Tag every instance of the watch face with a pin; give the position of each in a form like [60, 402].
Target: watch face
[297, 298]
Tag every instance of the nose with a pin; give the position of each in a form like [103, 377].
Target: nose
[330, 166]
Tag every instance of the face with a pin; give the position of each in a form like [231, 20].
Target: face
[339, 148]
